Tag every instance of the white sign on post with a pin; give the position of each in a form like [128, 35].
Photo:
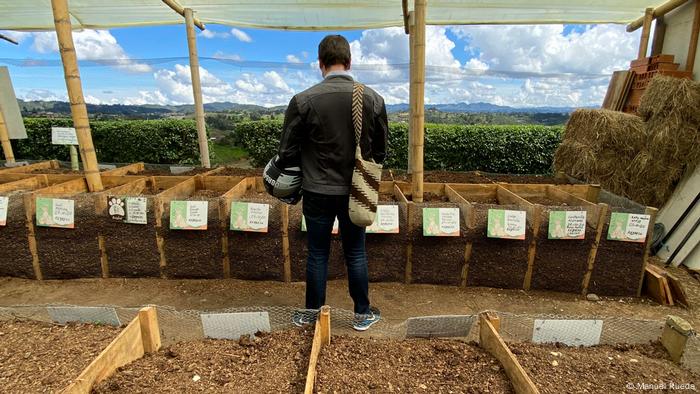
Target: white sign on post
[4, 201]
[64, 136]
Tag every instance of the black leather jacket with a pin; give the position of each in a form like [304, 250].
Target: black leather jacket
[318, 134]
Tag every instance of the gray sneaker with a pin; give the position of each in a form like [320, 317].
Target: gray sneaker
[363, 322]
[302, 317]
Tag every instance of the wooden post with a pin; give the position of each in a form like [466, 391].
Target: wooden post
[75, 94]
[5, 140]
[150, 329]
[418, 108]
[197, 90]
[661, 10]
[74, 163]
[646, 30]
[657, 43]
[325, 322]
[693, 48]
[411, 89]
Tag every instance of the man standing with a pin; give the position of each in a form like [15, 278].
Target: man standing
[318, 135]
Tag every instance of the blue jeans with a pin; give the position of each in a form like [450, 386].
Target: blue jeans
[320, 212]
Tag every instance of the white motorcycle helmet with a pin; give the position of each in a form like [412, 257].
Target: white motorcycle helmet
[282, 183]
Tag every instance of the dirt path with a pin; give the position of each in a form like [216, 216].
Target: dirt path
[397, 301]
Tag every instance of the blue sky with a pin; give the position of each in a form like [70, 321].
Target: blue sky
[509, 65]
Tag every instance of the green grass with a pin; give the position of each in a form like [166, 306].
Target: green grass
[224, 154]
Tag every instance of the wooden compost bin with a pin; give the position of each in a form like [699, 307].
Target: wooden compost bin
[619, 266]
[496, 262]
[15, 256]
[254, 255]
[436, 260]
[131, 250]
[387, 253]
[61, 253]
[194, 253]
[562, 265]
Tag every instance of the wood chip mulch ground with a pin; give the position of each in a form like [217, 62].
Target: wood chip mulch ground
[602, 369]
[359, 365]
[268, 363]
[40, 357]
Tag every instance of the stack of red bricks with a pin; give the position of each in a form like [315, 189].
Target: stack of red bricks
[644, 70]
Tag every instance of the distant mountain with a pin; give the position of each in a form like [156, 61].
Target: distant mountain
[153, 110]
[483, 108]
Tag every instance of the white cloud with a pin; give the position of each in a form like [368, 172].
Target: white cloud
[227, 56]
[41, 95]
[241, 35]
[599, 49]
[18, 36]
[293, 59]
[208, 33]
[96, 45]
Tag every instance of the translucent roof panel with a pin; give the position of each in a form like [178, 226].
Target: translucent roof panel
[319, 14]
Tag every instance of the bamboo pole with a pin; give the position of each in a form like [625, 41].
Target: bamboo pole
[693, 48]
[661, 10]
[418, 109]
[5, 140]
[181, 10]
[646, 30]
[75, 94]
[411, 89]
[197, 90]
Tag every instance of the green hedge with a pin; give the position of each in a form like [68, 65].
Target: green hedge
[518, 149]
[117, 141]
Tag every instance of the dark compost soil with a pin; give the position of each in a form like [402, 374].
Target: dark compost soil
[536, 179]
[233, 171]
[386, 253]
[43, 358]
[298, 250]
[618, 265]
[258, 255]
[132, 249]
[359, 365]
[272, 363]
[15, 256]
[167, 172]
[436, 260]
[560, 265]
[438, 177]
[71, 253]
[496, 262]
[195, 253]
[599, 369]
[55, 171]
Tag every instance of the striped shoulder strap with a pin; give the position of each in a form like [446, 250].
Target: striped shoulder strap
[358, 90]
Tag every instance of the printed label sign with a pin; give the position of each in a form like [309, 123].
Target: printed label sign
[64, 136]
[189, 215]
[4, 202]
[386, 221]
[567, 224]
[441, 222]
[628, 227]
[132, 210]
[54, 212]
[506, 224]
[248, 216]
[336, 225]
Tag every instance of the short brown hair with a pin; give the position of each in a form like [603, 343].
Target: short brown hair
[334, 49]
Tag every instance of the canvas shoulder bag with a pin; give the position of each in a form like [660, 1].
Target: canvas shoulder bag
[364, 190]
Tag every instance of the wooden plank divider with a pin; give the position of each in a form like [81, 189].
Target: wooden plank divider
[491, 341]
[322, 337]
[602, 214]
[42, 165]
[141, 336]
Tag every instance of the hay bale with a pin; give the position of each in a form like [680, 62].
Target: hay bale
[670, 97]
[602, 129]
[575, 159]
